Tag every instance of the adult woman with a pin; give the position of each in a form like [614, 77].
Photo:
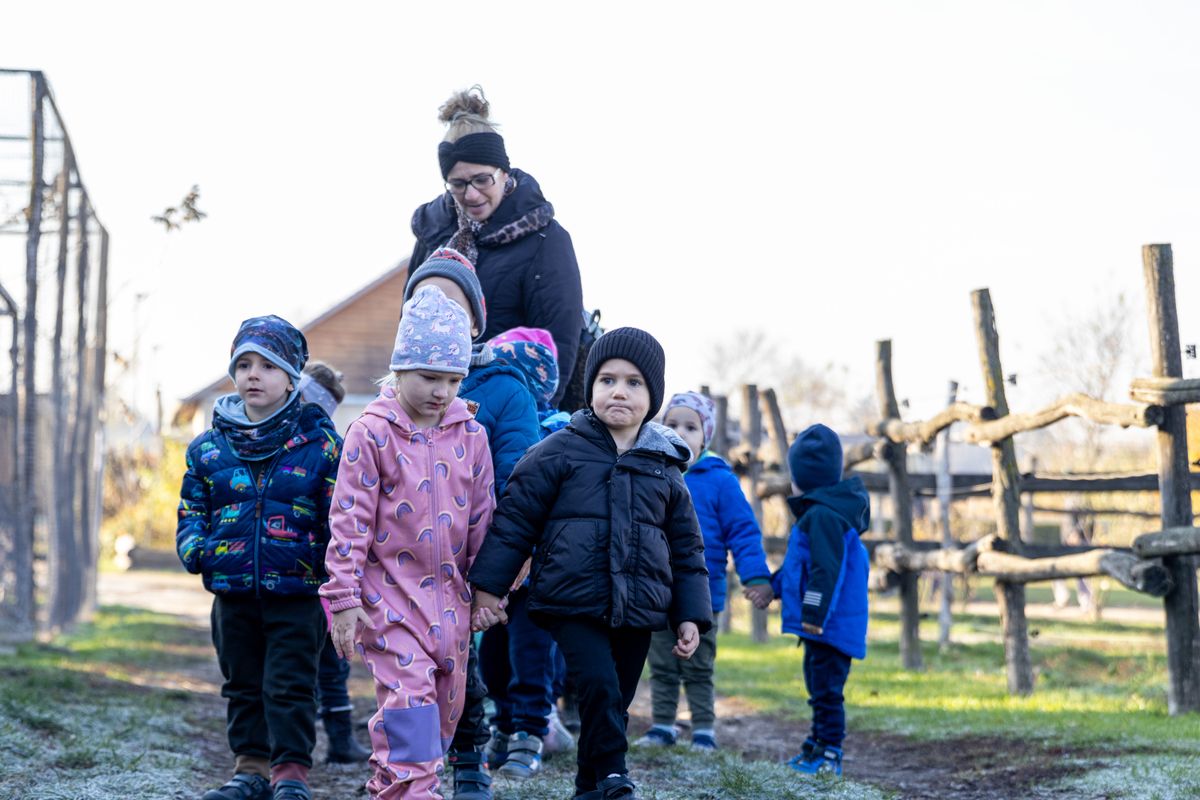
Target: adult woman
[498, 218]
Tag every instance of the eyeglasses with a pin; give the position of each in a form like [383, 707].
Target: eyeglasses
[480, 182]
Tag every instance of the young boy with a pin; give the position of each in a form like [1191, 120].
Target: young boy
[728, 525]
[823, 588]
[602, 507]
[253, 520]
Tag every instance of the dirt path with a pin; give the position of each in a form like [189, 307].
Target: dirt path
[970, 768]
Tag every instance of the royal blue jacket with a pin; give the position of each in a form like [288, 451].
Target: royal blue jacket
[728, 525]
[823, 581]
[506, 410]
[531, 278]
[249, 537]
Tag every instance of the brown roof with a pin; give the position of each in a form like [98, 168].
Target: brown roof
[354, 336]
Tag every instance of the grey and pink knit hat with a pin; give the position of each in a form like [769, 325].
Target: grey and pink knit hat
[704, 409]
[434, 334]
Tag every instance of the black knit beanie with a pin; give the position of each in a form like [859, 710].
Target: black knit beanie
[637, 347]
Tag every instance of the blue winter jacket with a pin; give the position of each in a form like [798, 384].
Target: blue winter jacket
[265, 537]
[823, 581]
[728, 525]
[506, 410]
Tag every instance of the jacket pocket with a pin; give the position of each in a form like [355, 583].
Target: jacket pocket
[566, 564]
[652, 568]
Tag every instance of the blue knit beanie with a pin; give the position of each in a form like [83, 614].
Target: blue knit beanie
[273, 338]
[454, 266]
[815, 458]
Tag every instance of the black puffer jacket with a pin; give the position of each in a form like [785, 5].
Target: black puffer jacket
[532, 280]
[616, 537]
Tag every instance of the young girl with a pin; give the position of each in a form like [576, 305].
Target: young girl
[505, 408]
[407, 520]
[253, 521]
[728, 524]
[602, 507]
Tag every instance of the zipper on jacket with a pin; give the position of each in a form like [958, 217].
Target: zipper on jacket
[435, 543]
[260, 489]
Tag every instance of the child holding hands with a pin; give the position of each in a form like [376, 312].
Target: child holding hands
[407, 521]
[602, 508]
[728, 525]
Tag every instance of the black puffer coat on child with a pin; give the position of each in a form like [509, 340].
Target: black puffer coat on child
[614, 537]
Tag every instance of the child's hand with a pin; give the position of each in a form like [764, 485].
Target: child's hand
[522, 575]
[344, 627]
[760, 594]
[808, 627]
[689, 640]
[487, 610]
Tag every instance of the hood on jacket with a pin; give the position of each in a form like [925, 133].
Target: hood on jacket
[653, 438]
[848, 499]
[435, 221]
[709, 462]
[387, 407]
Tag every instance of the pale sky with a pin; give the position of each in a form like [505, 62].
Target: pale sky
[833, 173]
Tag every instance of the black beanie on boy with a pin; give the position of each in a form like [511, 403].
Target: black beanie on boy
[637, 347]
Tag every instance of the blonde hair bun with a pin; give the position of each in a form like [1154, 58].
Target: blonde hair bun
[466, 111]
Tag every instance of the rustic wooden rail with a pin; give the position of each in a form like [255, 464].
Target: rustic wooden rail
[923, 433]
[1165, 391]
[1073, 405]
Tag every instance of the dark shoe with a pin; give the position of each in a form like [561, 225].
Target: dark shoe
[343, 747]
[471, 779]
[496, 750]
[618, 787]
[292, 790]
[241, 787]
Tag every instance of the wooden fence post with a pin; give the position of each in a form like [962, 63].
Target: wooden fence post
[1180, 604]
[27, 507]
[753, 421]
[1006, 498]
[945, 613]
[901, 494]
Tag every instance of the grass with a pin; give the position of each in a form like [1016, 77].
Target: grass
[106, 712]
[73, 725]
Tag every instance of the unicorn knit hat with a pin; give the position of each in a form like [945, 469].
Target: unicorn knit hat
[434, 335]
[704, 409]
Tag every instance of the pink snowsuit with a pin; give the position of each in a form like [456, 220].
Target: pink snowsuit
[409, 513]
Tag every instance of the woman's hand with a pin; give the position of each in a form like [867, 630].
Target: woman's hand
[487, 610]
[344, 627]
[689, 640]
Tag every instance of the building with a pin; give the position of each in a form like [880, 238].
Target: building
[354, 336]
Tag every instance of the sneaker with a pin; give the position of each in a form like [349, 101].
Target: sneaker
[292, 790]
[242, 786]
[658, 736]
[470, 776]
[818, 759]
[524, 757]
[496, 751]
[617, 787]
[704, 740]
[558, 738]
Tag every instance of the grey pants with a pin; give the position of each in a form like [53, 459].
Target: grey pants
[696, 675]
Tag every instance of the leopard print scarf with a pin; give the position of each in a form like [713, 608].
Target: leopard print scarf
[470, 233]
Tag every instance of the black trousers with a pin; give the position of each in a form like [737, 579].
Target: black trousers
[268, 650]
[471, 733]
[605, 665]
[825, 671]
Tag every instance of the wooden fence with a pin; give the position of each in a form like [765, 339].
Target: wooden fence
[1160, 563]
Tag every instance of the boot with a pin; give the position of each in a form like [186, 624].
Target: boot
[343, 747]
[471, 778]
